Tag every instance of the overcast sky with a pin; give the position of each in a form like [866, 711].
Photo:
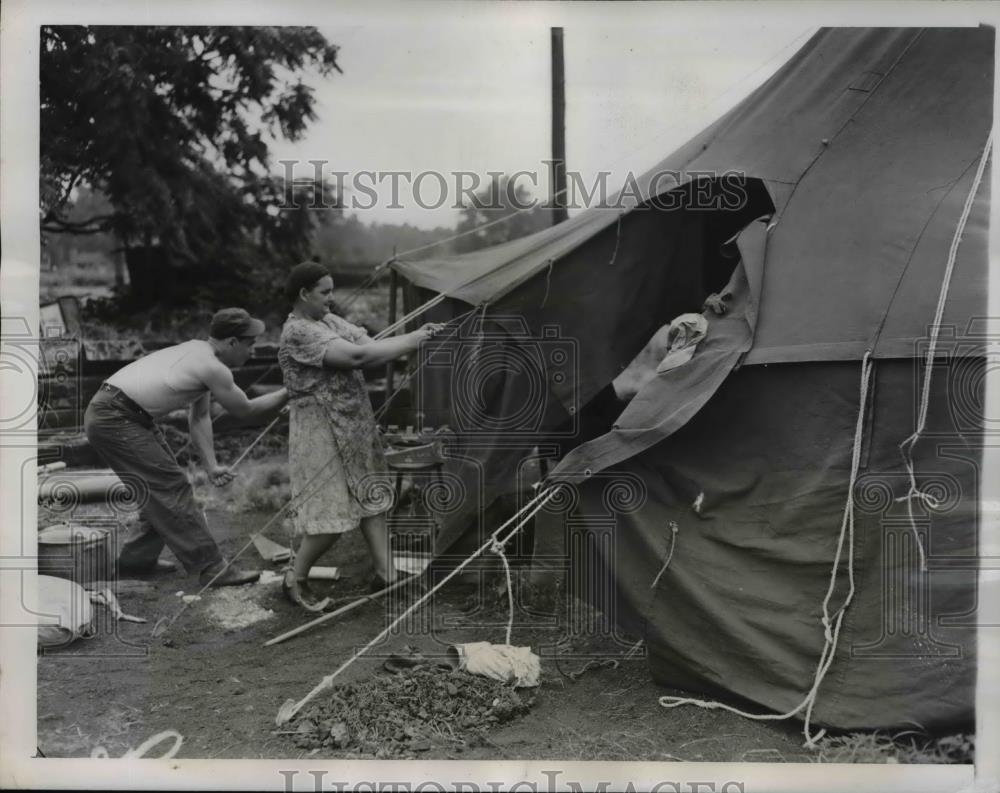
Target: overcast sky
[451, 93]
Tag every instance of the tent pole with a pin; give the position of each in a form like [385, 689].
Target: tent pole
[558, 188]
[393, 286]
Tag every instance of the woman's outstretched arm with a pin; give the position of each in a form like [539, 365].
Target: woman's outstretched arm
[343, 354]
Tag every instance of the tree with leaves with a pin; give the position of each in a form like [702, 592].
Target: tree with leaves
[169, 124]
[500, 212]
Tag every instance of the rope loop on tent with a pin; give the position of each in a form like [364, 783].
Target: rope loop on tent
[907, 446]
[288, 710]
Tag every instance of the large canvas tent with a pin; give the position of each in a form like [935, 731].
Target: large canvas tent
[859, 167]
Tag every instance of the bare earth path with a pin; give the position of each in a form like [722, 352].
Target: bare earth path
[221, 689]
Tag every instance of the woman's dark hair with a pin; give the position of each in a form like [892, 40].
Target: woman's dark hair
[303, 276]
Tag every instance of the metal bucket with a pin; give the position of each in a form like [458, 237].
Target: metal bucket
[79, 553]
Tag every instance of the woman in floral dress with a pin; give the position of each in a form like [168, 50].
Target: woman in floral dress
[338, 473]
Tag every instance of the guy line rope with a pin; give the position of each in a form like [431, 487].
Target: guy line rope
[307, 492]
[382, 265]
[288, 710]
[906, 447]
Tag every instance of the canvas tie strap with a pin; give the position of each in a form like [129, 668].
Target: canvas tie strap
[670, 555]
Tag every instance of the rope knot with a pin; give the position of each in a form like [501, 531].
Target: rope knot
[827, 629]
[931, 501]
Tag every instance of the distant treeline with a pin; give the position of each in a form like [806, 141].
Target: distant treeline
[349, 246]
[152, 278]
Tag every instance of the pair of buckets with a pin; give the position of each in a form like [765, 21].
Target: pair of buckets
[80, 553]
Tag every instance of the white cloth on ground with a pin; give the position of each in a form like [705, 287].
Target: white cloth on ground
[504, 662]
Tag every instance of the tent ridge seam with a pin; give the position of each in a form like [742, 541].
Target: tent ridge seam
[827, 142]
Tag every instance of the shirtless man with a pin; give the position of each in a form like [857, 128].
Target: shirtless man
[120, 425]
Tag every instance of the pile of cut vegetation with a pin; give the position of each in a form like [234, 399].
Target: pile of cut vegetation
[401, 714]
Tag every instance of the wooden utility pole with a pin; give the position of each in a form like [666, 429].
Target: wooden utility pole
[559, 212]
[390, 366]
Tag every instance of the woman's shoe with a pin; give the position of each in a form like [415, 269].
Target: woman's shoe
[300, 593]
[412, 583]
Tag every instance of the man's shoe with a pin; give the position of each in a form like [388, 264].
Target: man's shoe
[159, 566]
[229, 576]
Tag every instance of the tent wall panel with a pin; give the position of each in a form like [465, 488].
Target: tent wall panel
[738, 609]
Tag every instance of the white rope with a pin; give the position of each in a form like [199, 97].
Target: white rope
[906, 447]
[457, 321]
[101, 753]
[263, 432]
[412, 315]
[387, 332]
[831, 635]
[497, 548]
[290, 708]
[634, 649]
[618, 239]
[655, 139]
[367, 282]
[832, 624]
[163, 624]
[548, 281]
[670, 555]
[475, 229]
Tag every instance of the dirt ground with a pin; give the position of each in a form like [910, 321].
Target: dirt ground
[210, 679]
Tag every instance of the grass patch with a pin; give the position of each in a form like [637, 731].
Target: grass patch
[903, 747]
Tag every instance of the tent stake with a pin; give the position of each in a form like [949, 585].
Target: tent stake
[342, 610]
